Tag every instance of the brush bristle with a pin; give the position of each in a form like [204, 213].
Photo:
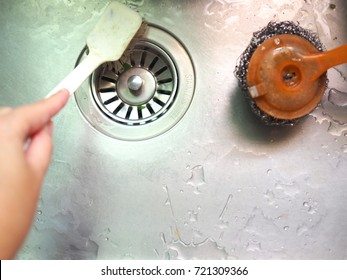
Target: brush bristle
[139, 35]
[272, 29]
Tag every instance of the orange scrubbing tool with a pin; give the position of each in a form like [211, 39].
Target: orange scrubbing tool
[286, 74]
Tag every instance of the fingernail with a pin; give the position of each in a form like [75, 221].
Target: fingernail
[65, 90]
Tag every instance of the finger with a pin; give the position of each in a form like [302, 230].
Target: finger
[40, 150]
[5, 110]
[31, 118]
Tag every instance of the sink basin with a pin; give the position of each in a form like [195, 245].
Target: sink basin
[215, 183]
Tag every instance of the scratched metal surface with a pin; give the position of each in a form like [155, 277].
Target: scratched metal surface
[218, 185]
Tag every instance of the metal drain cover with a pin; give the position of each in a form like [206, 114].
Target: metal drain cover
[143, 94]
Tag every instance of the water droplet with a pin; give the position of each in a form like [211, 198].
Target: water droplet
[193, 216]
[277, 41]
[207, 249]
[285, 228]
[197, 178]
[336, 128]
[197, 234]
[107, 239]
[40, 203]
[221, 235]
[39, 212]
[167, 202]
[291, 189]
[218, 15]
[332, 6]
[214, 7]
[253, 246]
[269, 171]
[344, 148]
[337, 97]
[223, 224]
[311, 210]
[305, 204]
[162, 237]
[301, 229]
[134, 3]
[270, 197]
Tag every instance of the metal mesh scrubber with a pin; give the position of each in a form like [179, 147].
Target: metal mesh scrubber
[272, 29]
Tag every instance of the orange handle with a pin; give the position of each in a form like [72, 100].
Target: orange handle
[319, 63]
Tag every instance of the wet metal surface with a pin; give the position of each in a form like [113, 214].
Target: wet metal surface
[219, 184]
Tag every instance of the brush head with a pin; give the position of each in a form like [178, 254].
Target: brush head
[113, 32]
[242, 69]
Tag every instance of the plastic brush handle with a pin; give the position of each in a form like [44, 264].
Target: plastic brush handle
[321, 62]
[106, 42]
[72, 81]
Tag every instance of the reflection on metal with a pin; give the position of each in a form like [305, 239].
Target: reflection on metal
[218, 184]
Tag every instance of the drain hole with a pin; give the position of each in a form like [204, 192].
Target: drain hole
[169, 80]
[127, 116]
[109, 79]
[143, 58]
[162, 70]
[150, 109]
[162, 91]
[107, 90]
[139, 112]
[109, 101]
[158, 101]
[145, 77]
[120, 107]
[143, 94]
[153, 63]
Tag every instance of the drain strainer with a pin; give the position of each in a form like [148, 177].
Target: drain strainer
[143, 94]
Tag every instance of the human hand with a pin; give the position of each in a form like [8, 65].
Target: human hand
[25, 152]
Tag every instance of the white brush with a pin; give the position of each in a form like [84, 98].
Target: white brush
[107, 42]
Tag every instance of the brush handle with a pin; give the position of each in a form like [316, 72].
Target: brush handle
[72, 81]
[321, 62]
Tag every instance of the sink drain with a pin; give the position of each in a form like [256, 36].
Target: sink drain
[143, 94]
[139, 88]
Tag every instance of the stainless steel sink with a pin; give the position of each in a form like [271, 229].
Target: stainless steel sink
[215, 183]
